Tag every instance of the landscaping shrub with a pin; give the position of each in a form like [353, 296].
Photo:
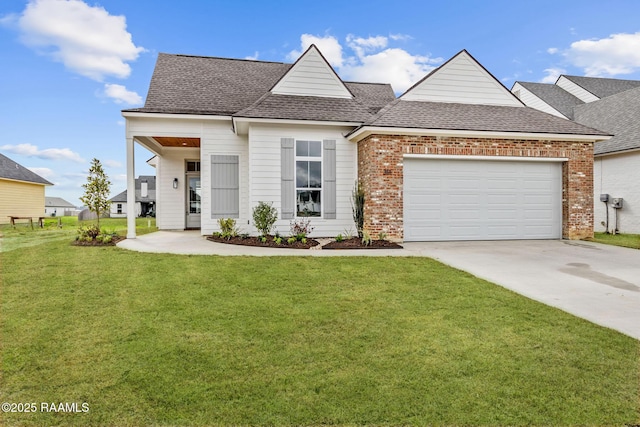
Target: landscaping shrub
[264, 216]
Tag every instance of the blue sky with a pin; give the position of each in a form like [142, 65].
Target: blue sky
[70, 66]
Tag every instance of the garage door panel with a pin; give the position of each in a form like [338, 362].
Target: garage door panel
[481, 200]
[502, 214]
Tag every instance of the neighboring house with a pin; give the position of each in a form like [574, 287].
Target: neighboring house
[456, 157]
[611, 105]
[57, 206]
[145, 200]
[21, 191]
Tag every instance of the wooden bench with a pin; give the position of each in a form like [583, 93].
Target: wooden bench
[30, 219]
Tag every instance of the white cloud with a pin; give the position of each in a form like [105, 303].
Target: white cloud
[121, 95]
[29, 150]
[252, 57]
[400, 37]
[46, 173]
[113, 164]
[615, 55]
[553, 50]
[86, 39]
[328, 45]
[371, 59]
[552, 75]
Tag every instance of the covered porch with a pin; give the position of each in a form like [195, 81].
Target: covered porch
[178, 194]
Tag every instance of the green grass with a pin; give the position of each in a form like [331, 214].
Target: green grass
[157, 339]
[625, 240]
[23, 236]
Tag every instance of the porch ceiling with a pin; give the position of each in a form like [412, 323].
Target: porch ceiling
[176, 141]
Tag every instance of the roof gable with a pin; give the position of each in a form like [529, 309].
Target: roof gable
[311, 75]
[546, 97]
[602, 87]
[461, 80]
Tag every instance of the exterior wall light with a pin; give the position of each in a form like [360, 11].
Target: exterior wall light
[175, 183]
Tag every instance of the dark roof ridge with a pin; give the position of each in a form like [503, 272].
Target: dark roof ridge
[184, 55]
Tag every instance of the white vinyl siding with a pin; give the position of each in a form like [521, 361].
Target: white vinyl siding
[462, 80]
[533, 101]
[575, 90]
[216, 138]
[311, 76]
[617, 175]
[481, 200]
[265, 143]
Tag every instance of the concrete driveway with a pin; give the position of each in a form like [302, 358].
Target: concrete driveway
[600, 283]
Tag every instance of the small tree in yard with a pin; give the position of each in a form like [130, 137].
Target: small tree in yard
[96, 190]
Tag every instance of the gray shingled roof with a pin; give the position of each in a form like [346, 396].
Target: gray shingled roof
[372, 95]
[555, 96]
[473, 117]
[12, 170]
[617, 114]
[50, 202]
[602, 87]
[206, 85]
[151, 190]
[183, 84]
[292, 107]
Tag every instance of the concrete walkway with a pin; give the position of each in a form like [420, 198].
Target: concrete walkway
[600, 283]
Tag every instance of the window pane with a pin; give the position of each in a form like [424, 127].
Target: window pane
[302, 148]
[315, 148]
[315, 174]
[308, 203]
[302, 174]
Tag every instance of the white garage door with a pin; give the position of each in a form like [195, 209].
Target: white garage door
[481, 200]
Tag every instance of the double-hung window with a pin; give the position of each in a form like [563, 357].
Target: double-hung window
[308, 178]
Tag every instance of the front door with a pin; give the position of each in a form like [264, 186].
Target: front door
[194, 206]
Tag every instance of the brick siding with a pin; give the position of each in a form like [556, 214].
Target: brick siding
[380, 169]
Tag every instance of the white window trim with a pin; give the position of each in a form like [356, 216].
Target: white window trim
[297, 158]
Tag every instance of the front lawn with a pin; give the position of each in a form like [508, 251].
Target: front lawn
[625, 240]
[63, 229]
[156, 339]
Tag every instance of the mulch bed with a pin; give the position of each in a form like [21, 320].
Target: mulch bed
[255, 241]
[356, 243]
[113, 242]
[353, 243]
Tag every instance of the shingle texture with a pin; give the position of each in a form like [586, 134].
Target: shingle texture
[473, 117]
[51, 202]
[12, 170]
[617, 114]
[183, 84]
[555, 96]
[602, 87]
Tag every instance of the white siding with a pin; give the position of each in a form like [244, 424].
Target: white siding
[264, 163]
[575, 90]
[217, 138]
[171, 208]
[114, 209]
[618, 175]
[462, 80]
[533, 101]
[311, 76]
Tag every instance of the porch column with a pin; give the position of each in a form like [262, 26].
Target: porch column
[131, 190]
